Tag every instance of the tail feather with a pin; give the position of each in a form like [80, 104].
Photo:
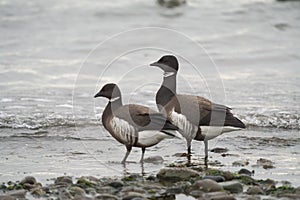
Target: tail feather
[233, 121]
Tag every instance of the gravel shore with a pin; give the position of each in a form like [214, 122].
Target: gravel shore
[172, 182]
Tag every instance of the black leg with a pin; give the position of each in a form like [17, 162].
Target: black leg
[127, 154]
[206, 153]
[143, 153]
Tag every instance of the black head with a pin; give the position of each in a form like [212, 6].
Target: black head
[167, 63]
[109, 91]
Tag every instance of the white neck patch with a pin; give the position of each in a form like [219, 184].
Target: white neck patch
[167, 74]
[114, 99]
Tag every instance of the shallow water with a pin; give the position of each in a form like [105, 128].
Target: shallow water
[56, 55]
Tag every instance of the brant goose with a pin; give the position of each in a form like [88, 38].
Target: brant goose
[196, 117]
[133, 125]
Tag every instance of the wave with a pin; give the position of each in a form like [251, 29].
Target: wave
[40, 121]
[273, 120]
[269, 120]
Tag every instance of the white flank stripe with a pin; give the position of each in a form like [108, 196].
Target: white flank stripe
[211, 132]
[123, 130]
[149, 138]
[186, 128]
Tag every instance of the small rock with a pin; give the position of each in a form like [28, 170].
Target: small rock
[228, 176]
[164, 196]
[105, 190]
[184, 185]
[265, 163]
[219, 150]
[65, 194]
[132, 177]
[85, 182]
[38, 192]
[180, 155]
[297, 190]
[7, 197]
[174, 190]
[196, 193]
[19, 194]
[218, 196]
[82, 198]
[247, 180]
[240, 163]
[133, 189]
[232, 186]
[171, 3]
[29, 179]
[290, 196]
[151, 178]
[253, 198]
[154, 159]
[28, 186]
[106, 197]
[177, 174]
[75, 190]
[64, 180]
[116, 184]
[255, 190]
[133, 195]
[215, 178]
[91, 191]
[206, 185]
[245, 172]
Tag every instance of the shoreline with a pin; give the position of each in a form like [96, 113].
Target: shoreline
[176, 181]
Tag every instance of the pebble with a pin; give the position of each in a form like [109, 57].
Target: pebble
[171, 3]
[206, 185]
[177, 174]
[91, 191]
[253, 198]
[64, 180]
[29, 180]
[232, 186]
[19, 194]
[105, 189]
[254, 190]
[219, 150]
[196, 193]
[215, 178]
[106, 197]
[297, 190]
[240, 163]
[7, 197]
[38, 192]
[217, 196]
[151, 178]
[65, 194]
[82, 198]
[245, 172]
[116, 184]
[133, 195]
[228, 176]
[265, 163]
[133, 189]
[174, 190]
[154, 160]
[180, 155]
[86, 182]
[290, 196]
[75, 190]
[247, 180]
